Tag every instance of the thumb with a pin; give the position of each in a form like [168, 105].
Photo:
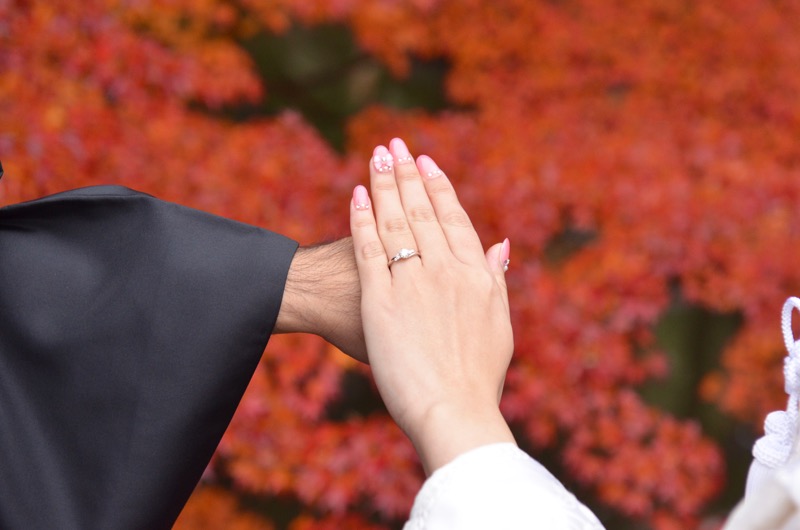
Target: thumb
[496, 258]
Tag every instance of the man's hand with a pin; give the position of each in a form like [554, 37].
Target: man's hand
[323, 297]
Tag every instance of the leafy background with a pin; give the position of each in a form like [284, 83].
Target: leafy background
[640, 155]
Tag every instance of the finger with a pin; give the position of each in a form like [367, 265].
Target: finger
[497, 258]
[417, 206]
[456, 225]
[368, 248]
[393, 228]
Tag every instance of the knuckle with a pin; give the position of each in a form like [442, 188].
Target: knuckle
[457, 218]
[396, 225]
[407, 174]
[371, 250]
[422, 214]
[384, 184]
[439, 188]
[361, 222]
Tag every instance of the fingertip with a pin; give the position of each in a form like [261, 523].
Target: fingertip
[505, 254]
[497, 257]
[400, 151]
[499, 266]
[361, 219]
[396, 144]
[367, 246]
[428, 168]
[493, 256]
[361, 198]
[382, 159]
[496, 264]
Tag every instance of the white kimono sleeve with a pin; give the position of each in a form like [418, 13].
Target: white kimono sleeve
[500, 487]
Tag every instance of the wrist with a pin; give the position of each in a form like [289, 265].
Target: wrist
[294, 315]
[323, 295]
[448, 430]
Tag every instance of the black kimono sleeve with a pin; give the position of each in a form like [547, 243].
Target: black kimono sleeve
[129, 329]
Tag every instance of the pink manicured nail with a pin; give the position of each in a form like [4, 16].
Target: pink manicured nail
[399, 148]
[429, 168]
[505, 252]
[361, 198]
[382, 160]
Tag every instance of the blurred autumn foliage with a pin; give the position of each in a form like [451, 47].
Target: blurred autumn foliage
[641, 156]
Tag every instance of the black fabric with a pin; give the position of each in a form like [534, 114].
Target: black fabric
[129, 329]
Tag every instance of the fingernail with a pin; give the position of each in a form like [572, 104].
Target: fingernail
[429, 167]
[399, 148]
[361, 198]
[505, 252]
[382, 159]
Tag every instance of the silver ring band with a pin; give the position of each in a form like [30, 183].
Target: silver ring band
[404, 253]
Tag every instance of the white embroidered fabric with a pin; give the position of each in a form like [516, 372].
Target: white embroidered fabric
[789, 478]
[772, 494]
[773, 450]
[501, 487]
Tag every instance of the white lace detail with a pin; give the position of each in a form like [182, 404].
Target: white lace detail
[774, 448]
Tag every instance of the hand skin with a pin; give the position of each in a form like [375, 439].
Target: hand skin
[323, 296]
[437, 327]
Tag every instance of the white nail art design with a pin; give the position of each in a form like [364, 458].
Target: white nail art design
[383, 163]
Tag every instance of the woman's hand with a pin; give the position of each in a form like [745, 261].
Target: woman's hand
[437, 324]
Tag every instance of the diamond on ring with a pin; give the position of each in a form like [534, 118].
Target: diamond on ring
[403, 253]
